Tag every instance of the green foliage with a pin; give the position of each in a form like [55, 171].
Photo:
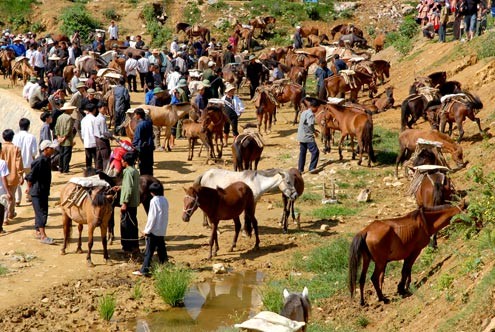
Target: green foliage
[106, 307]
[425, 260]
[159, 34]
[16, 8]
[362, 321]
[444, 282]
[346, 13]
[77, 18]
[3, 270]
[310, 197]
[271, 295]
[37, 27]
[385, 145]
[332, 210]
[291, 12]
[402, 40]
[485, 45]
[220, 4]
[171, 283]
[192, 13]
[137, 291]
[111, 14]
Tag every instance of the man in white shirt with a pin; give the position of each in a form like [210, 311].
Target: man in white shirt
[88, 137]
[113, 31]
[174, 46]
[131, 66]
[143, 69]
[173, 79]
[102, 142]
[4, 194]
[38, 62]
[26, 142]
[26, 91]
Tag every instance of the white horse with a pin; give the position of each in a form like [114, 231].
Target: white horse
[260, 182]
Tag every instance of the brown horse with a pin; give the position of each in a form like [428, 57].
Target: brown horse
[382, 70]
[379, 42]
[409, 137]
[194, 131]
[245, 35]
[300, 59]
[233, 73]
[119, 65]
[6, 56]
[223, 204]
[214, 119]
[395, 239]
[197, 31]
[345, 29]
[414, 107]
[262, 23]
[289, 92]
[355, 123]
[246, 150]
[20, 68]
[95, 211]
[314, 40]
[458, 110]
[266, 107]
[337, 85]
[438, 78]
[309, 30]
[383, 103]
[295, 177]
[298, 75]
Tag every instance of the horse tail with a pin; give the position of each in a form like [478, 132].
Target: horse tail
[405, 111]
[358, 246]
[367, 139]
[238, 157]
[207, 34]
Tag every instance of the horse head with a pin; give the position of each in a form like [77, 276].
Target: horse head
[101, 205]
[287, 186]
[191, 201]
[296, 305]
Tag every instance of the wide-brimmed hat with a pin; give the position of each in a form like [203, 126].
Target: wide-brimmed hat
[67, 106]
[80, 85]
[252, 57]
[200, 86]
[206, 83]
[182, 83]
[48, 144]
[91, 91]
[157, 90]
[211, 63]
[16, 39]
[229, 87]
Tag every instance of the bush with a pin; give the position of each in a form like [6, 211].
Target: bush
[111, 14]
[171, 283]
[106, 307]
[37, 27]
[486, 47]
[402, 40]
[78, 18]
[159, 34]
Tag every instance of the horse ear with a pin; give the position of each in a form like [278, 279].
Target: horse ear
[305, 292]
[286, 293]
[185, 190]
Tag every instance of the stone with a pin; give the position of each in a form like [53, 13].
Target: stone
[324, 227]
[45, 300]
[219, 268]
[364, 195]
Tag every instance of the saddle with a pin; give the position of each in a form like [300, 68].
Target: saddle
[82, 189]
[278, 86]
[348, 75]
[253, 133]
[425, 171]
[428, 92]
[260, 20]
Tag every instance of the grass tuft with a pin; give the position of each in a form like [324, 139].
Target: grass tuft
[171, 283]
[106, 307]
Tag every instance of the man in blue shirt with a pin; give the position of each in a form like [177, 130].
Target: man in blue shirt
[306, 133]
[18, 47]
[321, 73]
[143, 142]
[339, 63]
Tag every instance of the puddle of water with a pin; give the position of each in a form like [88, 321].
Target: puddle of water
[210, 305]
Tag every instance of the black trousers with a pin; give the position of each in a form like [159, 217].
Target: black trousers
[65, 157]
[143, 79]
[2, 214]
[90, 156]
[40, 71]
[119, 119]
[131, 81]
[129, 230]
[154, 243]
[146, 161]
[252, 89]
[103, 151]
[232, 115]
[40, 207]
[40, 104]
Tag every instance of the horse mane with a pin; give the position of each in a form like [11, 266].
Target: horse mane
[99, 199]
[265, 172]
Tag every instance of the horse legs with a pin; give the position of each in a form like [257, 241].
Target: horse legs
[191, 148]
[214, 239]
[79, 244]
[376, 278]
[340, 146]
[103, 230]
[237, 227]
[256, 233]
[67, 225]
[285, 213]
[405, 280]
[362, 278]
[91, 230]
[460, 128]
[111, 225]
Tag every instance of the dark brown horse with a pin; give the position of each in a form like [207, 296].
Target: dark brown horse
[246, 150]
[223, 204]
[266, 107]
[345, 29]
[95, 211]
[458, 110]
[193, 31]
[414, 107]
[298, 181]
[337, 85]
[214, 119]
[438, 78]
[382, 70]
[6, 56]
[450, 87]
[263, 23]
[395, 239]
[245, 35]
[289, 92]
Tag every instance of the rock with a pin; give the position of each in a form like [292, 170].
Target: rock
[490, 326]
[219, 268]
[397, 184]
[364, 195]
[407, 9]
[45, 300]
[212, 2]
[269, 207]
[343, 6]
[221, 22]
[324, 227]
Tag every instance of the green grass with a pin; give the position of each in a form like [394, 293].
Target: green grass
[3, 270]
[485, 45]
[386, 145]
[330, 210]
[137, 291]
[106, 307]
[310, 197]
[171, 283]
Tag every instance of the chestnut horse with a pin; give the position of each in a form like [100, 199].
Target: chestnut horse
[223, 204]
[458, 110]
[309, 30]
[395, 239]
[289, 92]
[337, 86]
[266, 107]
[246, 150]
[95, 211]
[244, 34]
[6, 56]
[345, 29]
[262, 23]
[409, 137]
[194, 131]
[21, 68]
[382, 70]
[298, 75]
[300, 59]
[193, 31]
[296, 178]
[214, 119]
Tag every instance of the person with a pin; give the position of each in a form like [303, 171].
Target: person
[208, 73]
[75, 80]
[102, 139]
[39, 98]
[217, 86]
[5, 196]
[99, 44]
[143, 69]
[28, 88]
[11, 154]
[306, 133]
[155, 229]
[122, 104]
[233, 108]
[26, 142]
[39, 181]
[444, 19]
[129, 201]
[199, 100]
[228, 56]
[470, 11]
[56, 82]
[298, 42]
[143, 142]
[64, 130]
[173, 78]
[253, 73]
[45, 130]
[339, 63]
[321, 73]
[481, 22]
[139, 42]
[38, 62]
[131, 66]
[18, 47]
[277, 73]
[76, 100]
[88, 136]
[174, 46]
[113, 31]
[91, 82]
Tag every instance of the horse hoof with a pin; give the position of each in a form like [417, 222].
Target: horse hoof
[79, 251]
[62, 252]
[385, 300]
[110, 242]
[90, 263]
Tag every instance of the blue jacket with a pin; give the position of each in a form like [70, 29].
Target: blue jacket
[143, 135]
[321, 74]
[19, 49]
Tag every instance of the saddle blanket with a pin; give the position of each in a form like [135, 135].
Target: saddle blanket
[456, 96]
[252, 132]
[335, 101]
[89, 182]
[422, 141]
[267, 321]
[216, 101]
[247, 26]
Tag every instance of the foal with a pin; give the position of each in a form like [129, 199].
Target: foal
[297, 306]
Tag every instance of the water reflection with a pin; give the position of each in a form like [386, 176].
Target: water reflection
[210, 305]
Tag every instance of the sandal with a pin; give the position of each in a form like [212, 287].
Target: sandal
[47, 240]
[141, 274]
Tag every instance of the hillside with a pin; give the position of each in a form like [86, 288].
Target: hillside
[453, 287]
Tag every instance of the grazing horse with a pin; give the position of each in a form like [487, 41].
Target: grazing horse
[94, 210]
[246, 150]
[355, 123]
[194, 131]
[20, 68]
[345, 29]
[337, 85]
[297, 306]
[382, 70]
[289, 92]
[395, 239]
[414, 107]
[408, 140]
[352, 40]
[262, 23]
[223, 204]
[383, 103]
[266, 107]
[288, 204]
[458, 110]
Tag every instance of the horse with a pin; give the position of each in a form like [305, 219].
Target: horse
[414, 107]
[87, 63]
[194, 131]
[288, 204]
[198, 31]
[94, 210]
[379, 42]
[438, 78]
[6, 55]
[246, 150]
[297, 306]
[345, 29]
[215, 118]
[223, 204]
[395, 239]
[385, 102]
[20, 68]
[289, 92]
[298, 75]
[119, 65]
[352, 40]
[355, 123]
[382, 70]
[266, 107]
[314, 40]
[450, 87]
[458, 110]
[409, 137]
[337, 85]
[262, 23]
[309, 30]
[233, 73]
[244, 34]
[301, 59]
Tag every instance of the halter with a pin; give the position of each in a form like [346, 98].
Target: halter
[190, 211]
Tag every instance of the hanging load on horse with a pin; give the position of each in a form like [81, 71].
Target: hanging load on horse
[247, 149]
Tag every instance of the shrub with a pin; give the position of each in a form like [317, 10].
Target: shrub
[137, 291]
[106, 307]
[3, 270]
[77, 18]
[402, 40]
[272, 298]
[171, 283]
[111, 14]
[37, 27]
